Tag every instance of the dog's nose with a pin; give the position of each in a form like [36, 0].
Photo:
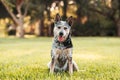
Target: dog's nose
[61, 33]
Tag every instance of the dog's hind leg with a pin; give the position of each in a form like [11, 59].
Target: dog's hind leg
[75, 67]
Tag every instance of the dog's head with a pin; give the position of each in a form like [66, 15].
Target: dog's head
[62, 28]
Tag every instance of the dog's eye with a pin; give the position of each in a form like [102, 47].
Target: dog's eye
[59, 27]
[65, 28]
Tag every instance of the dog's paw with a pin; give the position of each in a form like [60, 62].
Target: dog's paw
[51, 72]
[71, 72]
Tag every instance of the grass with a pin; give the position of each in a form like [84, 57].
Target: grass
[26, 59]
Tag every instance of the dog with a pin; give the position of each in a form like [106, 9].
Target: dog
[61, 53]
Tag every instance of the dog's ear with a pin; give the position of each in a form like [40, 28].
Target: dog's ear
[70, 21]
[57, 18]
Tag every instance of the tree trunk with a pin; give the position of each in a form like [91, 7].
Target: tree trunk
[65, 10]
[37, 27]
[49, 30]
[20, 31]
[118, 27]
[42, 27]
[20, 28]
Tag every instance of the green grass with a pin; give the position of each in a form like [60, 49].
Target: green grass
[26, 59]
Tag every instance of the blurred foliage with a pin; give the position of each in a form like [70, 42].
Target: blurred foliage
[94, 28]
[91, 17]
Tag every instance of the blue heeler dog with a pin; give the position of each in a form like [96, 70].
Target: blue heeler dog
[61, 53]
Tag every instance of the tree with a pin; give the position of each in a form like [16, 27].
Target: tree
[19, 17]
[82, 8]
[36, 10]
[109, 9]
[65, 9]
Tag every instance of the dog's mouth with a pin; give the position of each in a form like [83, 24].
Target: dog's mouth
[61, 38]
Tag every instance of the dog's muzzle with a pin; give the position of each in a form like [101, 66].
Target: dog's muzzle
[61, 37]
[61, 34]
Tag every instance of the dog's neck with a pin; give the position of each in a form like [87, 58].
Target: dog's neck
[63, 45]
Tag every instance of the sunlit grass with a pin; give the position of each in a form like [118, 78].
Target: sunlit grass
[26, 59]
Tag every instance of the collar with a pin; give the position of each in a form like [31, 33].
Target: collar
[64, 45]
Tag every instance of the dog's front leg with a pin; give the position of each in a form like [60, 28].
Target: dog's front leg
[70, 65]
[52, 66]
[53, 62]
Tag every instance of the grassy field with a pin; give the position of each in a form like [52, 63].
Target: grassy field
[26, 59]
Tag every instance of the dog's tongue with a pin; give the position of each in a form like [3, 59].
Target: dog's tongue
[60, 38]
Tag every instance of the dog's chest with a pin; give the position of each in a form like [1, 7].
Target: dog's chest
[63, 57]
